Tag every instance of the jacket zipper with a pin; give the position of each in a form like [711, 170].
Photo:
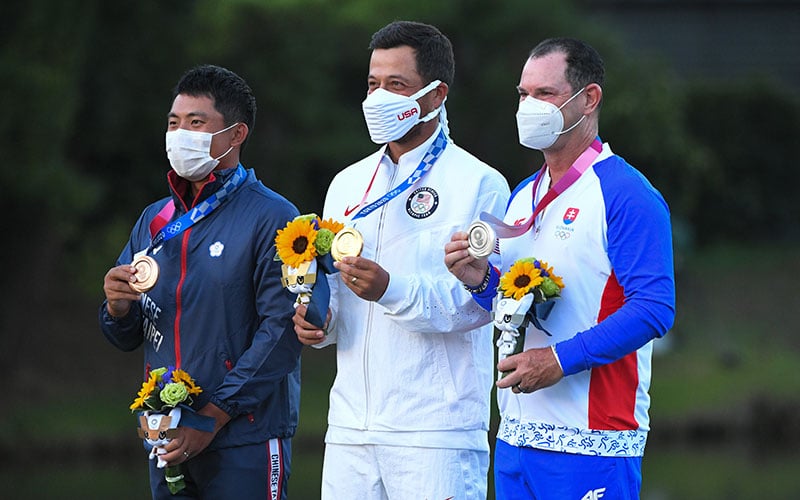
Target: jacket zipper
[371, 311]
[179, 298]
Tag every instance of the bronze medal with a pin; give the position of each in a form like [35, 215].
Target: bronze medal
[481, 238]
[348, 242]
[146, 273]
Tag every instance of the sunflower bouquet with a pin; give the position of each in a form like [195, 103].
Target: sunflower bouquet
[164, 389]
[161, 399]
[298, 245]
[303, 246]
[526, 294]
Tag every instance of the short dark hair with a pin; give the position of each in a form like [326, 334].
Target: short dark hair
[584, 64]
[232, 97]
[434, 52]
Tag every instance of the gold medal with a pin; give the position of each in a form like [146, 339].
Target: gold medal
[481, 238]
[146, 273]
[348, 242]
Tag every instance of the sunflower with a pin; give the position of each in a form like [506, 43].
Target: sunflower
[140, 400]
[520, 279]
[332, 225]
[144, 393]
[295, 242]
[547, 272]
[182, 377]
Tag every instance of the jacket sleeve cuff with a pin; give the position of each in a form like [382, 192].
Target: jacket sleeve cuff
[486, 297]
[123, 322]
[396, 292]
[222, 405]
[570, 355]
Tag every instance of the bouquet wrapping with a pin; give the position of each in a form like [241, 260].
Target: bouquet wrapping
[162, 403]
[526, 294]
[304, 247]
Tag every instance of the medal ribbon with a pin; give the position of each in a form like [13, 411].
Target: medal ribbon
[577, 169]
[200, 211]
[430, 157]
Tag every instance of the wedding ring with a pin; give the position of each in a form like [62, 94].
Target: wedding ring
[353, 280]
[517, 387]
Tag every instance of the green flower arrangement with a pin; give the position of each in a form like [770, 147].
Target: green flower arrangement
[165, 389]
[159, 397]
[304, 238]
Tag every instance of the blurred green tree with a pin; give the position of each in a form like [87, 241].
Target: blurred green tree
[753, 127]
[87, 95]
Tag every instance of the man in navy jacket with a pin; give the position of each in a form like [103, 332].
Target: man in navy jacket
[218, 309]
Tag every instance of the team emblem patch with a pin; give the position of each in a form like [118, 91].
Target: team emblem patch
[215, 250]
[570, 215]
[422, 203]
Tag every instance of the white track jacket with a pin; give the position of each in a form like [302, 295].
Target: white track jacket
[416, 367]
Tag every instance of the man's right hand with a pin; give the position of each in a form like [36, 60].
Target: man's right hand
[461, 263]
[119, 294]
[307, 333]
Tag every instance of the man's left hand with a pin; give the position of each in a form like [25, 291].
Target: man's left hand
[530, 370]
[364, 277]
[189, 441]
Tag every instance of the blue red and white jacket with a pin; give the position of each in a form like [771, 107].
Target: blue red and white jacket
[609, 236]
[219, 311]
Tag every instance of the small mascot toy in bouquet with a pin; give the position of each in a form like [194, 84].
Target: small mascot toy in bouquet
[162, 402]
[526, 294]
[304, 248]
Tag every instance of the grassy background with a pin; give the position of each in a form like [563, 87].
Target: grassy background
[725, 411]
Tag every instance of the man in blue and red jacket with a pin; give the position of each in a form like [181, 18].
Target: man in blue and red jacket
[218, 309]
[574, 404]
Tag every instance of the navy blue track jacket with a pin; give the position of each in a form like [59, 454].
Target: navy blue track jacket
[219, 311]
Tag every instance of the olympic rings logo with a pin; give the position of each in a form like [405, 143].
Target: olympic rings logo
[563, 235]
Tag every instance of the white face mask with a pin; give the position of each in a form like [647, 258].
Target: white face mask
[390, 116]
[539, 123]
[189, 152]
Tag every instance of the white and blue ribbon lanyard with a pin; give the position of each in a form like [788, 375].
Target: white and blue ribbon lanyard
[430, 157]
[197, 213]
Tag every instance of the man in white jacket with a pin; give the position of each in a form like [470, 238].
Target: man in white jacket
[409, 408]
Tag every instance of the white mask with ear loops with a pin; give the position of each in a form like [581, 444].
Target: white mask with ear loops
[189, 152]
[390, 116]
[539, 123]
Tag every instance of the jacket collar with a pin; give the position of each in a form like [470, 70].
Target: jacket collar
[181, 189]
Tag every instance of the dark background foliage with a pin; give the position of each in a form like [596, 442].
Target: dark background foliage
[87, 86]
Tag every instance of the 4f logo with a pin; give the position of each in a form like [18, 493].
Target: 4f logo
[570, 215]
[594, 494]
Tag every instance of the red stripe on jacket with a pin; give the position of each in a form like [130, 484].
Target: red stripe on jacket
[612, 387]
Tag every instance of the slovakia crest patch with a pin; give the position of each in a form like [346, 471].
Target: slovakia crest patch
[570, 215]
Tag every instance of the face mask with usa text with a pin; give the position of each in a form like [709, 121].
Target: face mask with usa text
[390, 116]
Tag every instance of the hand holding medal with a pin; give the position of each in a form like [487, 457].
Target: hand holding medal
[481, 238]
[347, 243]
[146, 273]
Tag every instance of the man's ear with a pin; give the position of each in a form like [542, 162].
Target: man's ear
[240, 133]
[594, 95]
[440, 93]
